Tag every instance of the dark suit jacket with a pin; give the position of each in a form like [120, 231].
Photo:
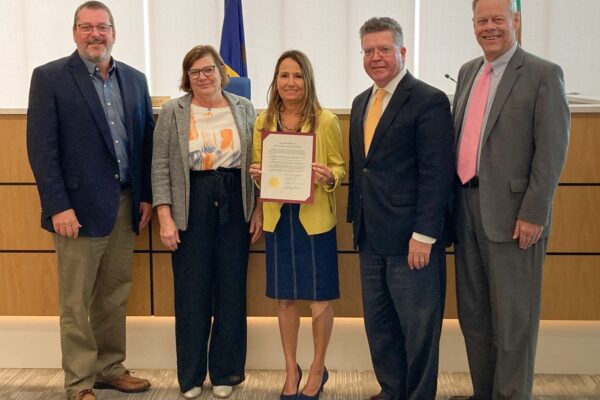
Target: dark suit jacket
[403, 184]
[524, 143]
[70, 146]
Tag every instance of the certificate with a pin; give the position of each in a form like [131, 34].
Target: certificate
[286, 166]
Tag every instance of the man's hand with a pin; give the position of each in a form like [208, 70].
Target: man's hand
[528, 233]
[145, 214]
[418, 254]
[65, 223]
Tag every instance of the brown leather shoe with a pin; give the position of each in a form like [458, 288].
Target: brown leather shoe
[377, 396]
[125, 383]
[87, 394]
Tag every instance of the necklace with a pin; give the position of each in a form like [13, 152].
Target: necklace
[286, 128]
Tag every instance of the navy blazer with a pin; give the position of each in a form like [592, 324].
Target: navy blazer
[70, 146]
[403, 184]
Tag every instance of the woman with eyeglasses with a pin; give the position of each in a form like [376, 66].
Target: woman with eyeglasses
[301, 247]
[208, 217]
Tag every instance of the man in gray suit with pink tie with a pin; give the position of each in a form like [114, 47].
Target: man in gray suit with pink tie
[511, 119]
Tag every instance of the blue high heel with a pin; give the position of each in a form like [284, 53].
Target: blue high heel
[302, 396]
[295, 395]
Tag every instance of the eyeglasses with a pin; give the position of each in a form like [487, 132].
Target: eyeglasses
[384, 51]
[206, 71]
[88, 28]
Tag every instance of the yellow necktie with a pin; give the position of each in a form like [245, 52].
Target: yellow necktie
[373, 117]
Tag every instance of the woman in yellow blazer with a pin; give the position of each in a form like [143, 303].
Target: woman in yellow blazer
[300, 240]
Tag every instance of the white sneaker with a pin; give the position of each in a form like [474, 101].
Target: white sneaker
[222, 391]
[194, 392]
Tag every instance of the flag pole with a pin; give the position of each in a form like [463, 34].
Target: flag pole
[520, 31]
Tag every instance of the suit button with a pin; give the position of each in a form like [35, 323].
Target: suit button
[365, 170]
[216, 204]
[116, 176]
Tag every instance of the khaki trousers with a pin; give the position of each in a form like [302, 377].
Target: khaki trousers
[94, 281]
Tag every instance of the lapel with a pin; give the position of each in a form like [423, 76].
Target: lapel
[509, 78]
[182, 122]
[239, 116]
[86, 87]
[461, 104]
[394, 107]
[125, 86]
[358, 122]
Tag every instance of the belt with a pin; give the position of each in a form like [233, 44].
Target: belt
[222, 189]
[472, 183]
[125, 186]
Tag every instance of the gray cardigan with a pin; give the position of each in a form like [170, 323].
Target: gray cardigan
[170, 167]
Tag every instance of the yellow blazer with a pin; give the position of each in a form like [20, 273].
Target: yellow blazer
[320, 216]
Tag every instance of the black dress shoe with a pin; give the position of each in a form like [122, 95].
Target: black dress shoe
[324, 378]
[295, 395]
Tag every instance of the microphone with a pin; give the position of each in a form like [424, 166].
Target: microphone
[447, 76]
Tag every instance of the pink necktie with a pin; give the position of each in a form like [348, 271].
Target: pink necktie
[469, 140]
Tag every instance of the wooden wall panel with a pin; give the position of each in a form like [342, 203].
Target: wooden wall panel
[21, 212]
[163, 285]
[258, 304]
[583, 163]
[142, 241]
[14, 164]
[29, 285]
[20, 216]
[571, 287]
[576, 220]
[139, 296]
[28, 277]
[450, 305]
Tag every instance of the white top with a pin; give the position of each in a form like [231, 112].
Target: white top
[214, 140]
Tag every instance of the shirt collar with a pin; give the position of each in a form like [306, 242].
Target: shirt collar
[501, 62]
[91, 67]
[393, 84]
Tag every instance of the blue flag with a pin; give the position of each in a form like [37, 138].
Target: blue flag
[233, 46]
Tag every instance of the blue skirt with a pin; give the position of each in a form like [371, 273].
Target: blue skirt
[301, 266]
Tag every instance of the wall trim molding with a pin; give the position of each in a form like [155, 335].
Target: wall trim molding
[33, 342]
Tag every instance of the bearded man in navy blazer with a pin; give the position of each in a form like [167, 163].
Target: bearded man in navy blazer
[401, 171]
[89, 139]
[511, 141]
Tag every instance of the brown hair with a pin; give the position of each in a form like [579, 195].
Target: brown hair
[196, 53]
[94, 5]
[310, 103]
[382, 24]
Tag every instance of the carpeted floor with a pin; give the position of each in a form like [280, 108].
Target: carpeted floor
[30, 384]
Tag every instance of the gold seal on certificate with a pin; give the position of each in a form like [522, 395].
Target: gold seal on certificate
[287, 167]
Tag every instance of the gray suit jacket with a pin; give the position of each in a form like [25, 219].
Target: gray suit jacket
[524, 144]
[170, 166]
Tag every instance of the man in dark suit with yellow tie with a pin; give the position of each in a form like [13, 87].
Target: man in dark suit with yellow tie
[512, 125]
[401, 167]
